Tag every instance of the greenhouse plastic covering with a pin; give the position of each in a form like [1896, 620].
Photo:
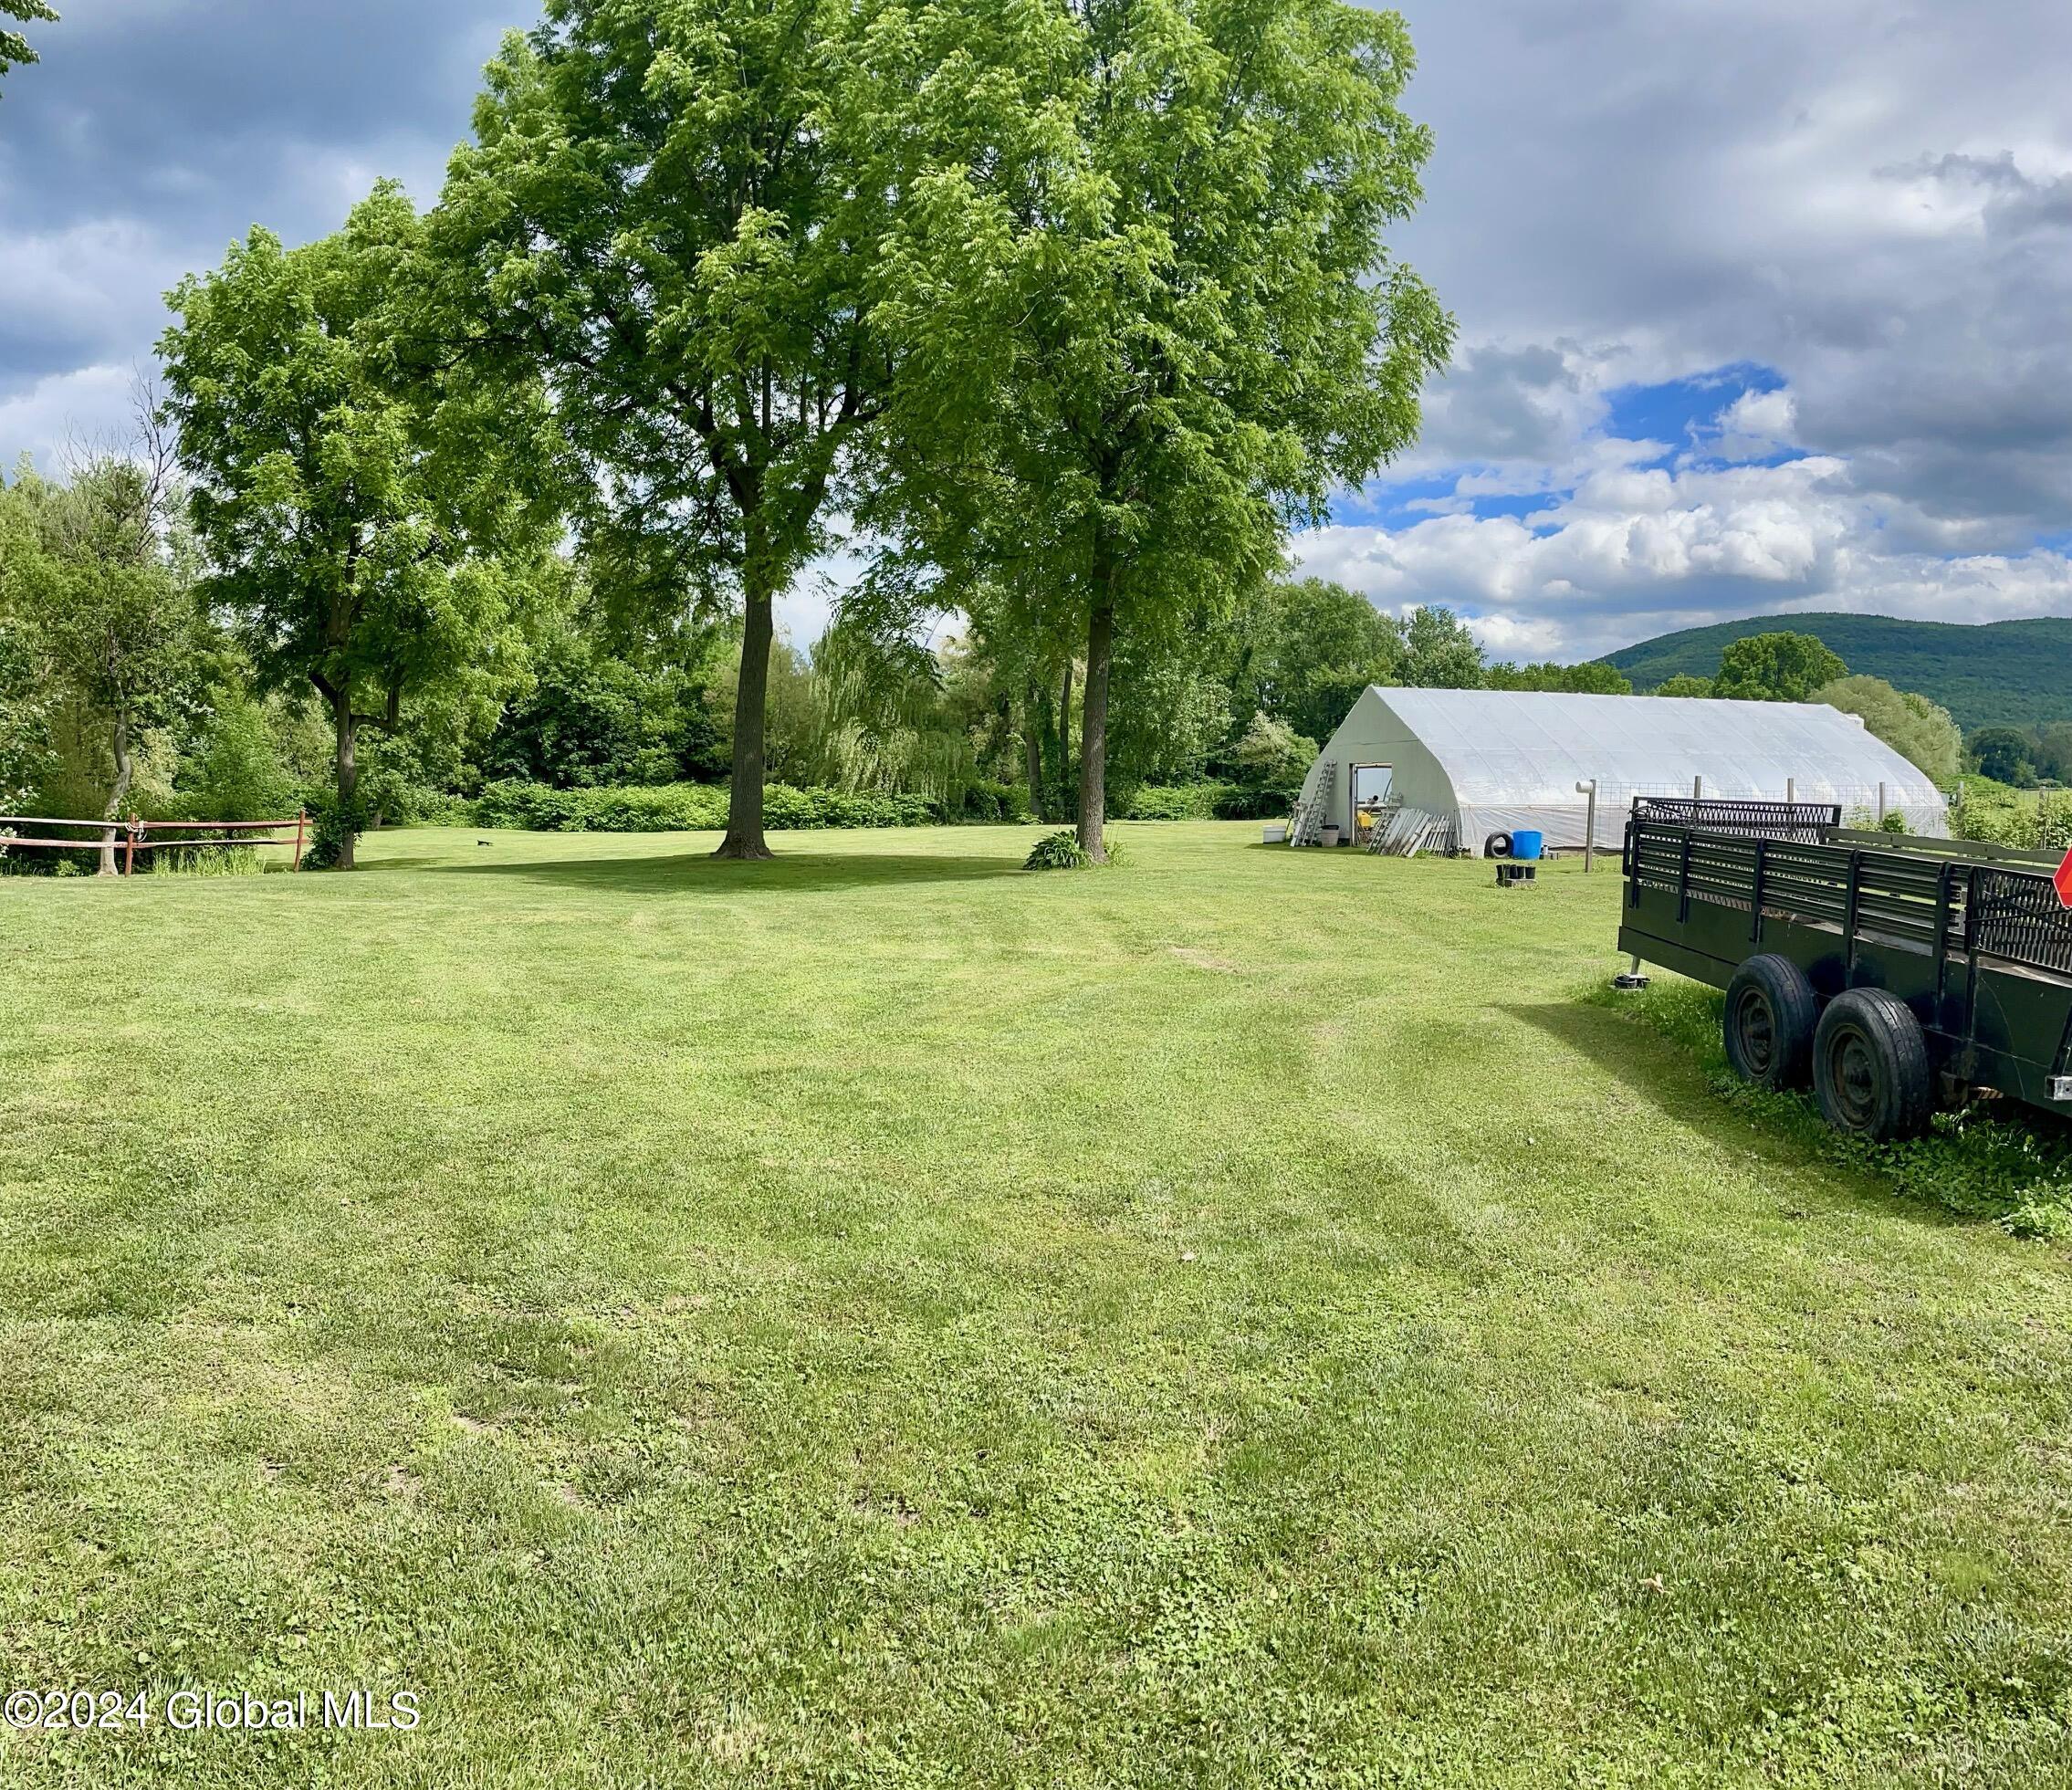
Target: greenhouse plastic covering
[1499, 760]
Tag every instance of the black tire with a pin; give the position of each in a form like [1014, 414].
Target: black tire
[1497, 845]
[1870, 1067]
[1771, 1015]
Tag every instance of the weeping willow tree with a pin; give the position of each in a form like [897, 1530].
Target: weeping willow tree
[867, 712]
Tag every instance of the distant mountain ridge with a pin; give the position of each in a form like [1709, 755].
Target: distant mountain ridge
[1990, 673]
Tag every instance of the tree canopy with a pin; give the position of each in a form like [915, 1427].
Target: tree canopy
[113, 609]
[1912, 726]
[15, 47]
[1775, 667]
[1149, 316]
[1592, 678]
[1683, 683]
[360, 516]
[670, 215]
[2007, 755]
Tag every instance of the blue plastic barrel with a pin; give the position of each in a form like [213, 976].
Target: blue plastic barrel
[1526, 847]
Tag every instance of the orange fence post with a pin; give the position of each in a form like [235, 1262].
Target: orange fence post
[130, 851]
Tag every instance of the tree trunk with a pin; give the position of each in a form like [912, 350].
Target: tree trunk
[1064, 737]
[347, 728]
[1093, 732]
[744, 802]
[125, 770]
[1033, 751]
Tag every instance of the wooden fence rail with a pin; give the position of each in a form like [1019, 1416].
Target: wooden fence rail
[137, 835]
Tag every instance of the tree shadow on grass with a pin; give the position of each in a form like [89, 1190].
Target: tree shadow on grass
[1665, 1075]
[790, 872]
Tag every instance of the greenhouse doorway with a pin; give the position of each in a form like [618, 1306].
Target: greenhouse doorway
[1371, 798]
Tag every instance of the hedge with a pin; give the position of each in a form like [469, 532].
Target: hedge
[690, 808]
[1207, 801]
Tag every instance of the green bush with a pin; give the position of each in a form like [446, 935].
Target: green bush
[1061, 850]
[1178, 802]
[1058, 851]
[1995, 814]
[1208, 802]
[690, 808]
[1263, 804]
[237, 772]
[987, 803]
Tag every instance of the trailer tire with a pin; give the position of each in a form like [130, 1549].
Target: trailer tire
[1771, 1015]
[1870, 1067]
[1497, 845]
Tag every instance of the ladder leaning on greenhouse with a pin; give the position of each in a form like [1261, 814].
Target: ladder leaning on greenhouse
[1308, 826]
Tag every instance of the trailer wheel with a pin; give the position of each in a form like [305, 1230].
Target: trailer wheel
[1870, 1067]
[1770, 1018]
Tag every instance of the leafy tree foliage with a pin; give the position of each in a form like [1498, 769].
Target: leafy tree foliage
[1148, 313]
[1684, 684]
[1913, 726]
[1272, 755]
[1592, 678]
[1311, 647]
[1775, 667]
[364, 515]
[27, 695]
[113, 607]
[592, 718]
[2054, 751]
[15, 47]
[2003, 754]
[1440, 653]
[671, 213]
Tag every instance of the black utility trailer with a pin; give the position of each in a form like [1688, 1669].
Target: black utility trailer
[1888, 971]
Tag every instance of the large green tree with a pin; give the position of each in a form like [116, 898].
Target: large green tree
[1776, 667]
[1439, 652]
[1148, 316]
[1918, 730]
[115, 608]
[362, 508]
[1321, 645]
[2007, 755]
[28, 678]
[672, 213]
[15, 47]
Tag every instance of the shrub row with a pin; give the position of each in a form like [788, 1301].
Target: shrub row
[1995, 814]
[1207, 801]
[690, 808]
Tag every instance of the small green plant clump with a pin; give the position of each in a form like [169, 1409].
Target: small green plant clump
[1063, 851]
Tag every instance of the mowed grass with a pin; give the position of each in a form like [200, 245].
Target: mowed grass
[882, 1318]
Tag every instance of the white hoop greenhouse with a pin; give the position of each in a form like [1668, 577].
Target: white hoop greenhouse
[1478, 762]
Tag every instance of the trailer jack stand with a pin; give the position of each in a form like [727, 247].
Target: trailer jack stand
[1630, 979]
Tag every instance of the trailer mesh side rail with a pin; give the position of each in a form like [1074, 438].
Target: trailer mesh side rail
[1805, 821]
[1936, 905]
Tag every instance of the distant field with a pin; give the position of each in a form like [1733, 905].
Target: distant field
[2012, 673]
[881, 1318]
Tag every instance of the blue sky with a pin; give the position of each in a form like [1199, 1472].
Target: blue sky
[1762, 306]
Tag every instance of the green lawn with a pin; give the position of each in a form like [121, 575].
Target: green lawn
[881, 1318]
